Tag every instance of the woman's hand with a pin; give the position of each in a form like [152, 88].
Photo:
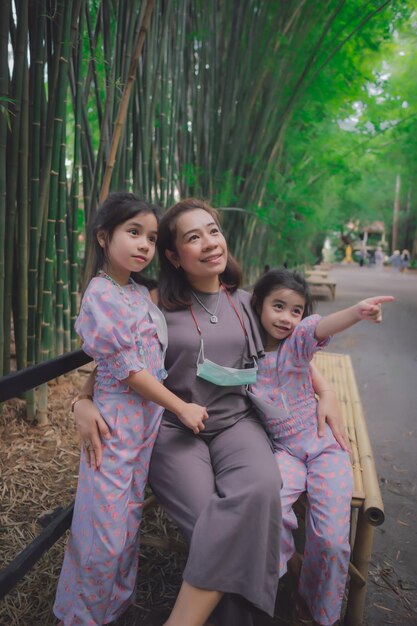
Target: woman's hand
[328, 410]
[91, 428]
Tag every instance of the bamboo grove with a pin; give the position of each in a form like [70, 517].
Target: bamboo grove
[167, 98]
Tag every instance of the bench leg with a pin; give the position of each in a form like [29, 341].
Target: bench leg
[361, 557]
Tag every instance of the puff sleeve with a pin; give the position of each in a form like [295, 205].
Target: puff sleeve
[303, 340]
[108, 327]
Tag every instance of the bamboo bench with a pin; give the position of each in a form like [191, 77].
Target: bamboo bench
[316, 280]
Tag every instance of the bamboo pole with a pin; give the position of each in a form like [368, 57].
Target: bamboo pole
[373, 505]
[22, 248]
[13, 146]
[396, 213]
[121, 116]
[361, 558]
[4, 86]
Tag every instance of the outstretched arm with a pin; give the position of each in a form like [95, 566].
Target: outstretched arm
[328, 409]
[369, 309]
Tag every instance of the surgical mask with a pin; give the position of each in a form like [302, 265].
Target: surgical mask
[222, 375]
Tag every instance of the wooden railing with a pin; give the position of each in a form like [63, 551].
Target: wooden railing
[11, 386]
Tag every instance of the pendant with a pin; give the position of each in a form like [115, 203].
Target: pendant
[214, 319]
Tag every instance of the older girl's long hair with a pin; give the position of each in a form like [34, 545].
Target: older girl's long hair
[173, 285]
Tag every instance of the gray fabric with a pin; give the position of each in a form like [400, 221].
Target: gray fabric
[223, 493]
[225, 344]
[222, 487]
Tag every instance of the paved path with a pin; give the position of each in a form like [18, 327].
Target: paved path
[385, 363]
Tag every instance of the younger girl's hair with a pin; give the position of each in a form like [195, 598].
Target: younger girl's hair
[174, 288]
[118, 207]
[281, 278]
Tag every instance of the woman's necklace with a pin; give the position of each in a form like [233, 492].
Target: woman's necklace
[213, 314]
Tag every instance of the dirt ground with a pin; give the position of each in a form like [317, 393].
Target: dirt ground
[38, 469]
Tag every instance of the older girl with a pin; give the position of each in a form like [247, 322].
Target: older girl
[125, 333]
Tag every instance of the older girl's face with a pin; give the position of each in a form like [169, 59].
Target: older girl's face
[201, 249]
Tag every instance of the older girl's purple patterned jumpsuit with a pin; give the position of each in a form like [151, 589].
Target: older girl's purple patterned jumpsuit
[308, 463]
[98, 574]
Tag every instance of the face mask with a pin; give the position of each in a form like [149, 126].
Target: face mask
[222, 375]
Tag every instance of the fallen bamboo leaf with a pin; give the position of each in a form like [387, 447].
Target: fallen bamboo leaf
[383, 608]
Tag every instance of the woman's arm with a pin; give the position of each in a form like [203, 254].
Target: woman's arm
[328, 409]
[90, 424]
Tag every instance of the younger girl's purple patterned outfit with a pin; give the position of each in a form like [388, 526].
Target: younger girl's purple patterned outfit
[119, 326]
[308, 463]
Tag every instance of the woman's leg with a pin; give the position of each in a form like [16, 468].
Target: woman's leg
[228, 487]
[236, 536]
[193, 606]
[181, 476]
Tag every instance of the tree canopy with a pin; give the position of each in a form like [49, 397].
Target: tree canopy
[300, 114]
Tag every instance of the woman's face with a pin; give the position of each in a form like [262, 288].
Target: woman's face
[201, 249]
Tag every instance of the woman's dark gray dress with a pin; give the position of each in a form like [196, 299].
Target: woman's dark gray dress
[221, 487]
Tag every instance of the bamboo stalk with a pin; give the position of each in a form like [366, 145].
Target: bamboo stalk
[121, 116]
[361, 558]
[13, 144]
[4, 86]
[373, 505]
[22, 248]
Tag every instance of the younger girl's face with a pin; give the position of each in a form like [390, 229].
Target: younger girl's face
[282, 311]
[201, 248]
[132, 246]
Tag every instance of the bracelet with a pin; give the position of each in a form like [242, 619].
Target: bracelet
[81, 396]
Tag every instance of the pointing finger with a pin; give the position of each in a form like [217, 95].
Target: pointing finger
[380, 299]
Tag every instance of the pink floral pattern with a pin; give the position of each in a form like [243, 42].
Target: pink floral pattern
[309, 464]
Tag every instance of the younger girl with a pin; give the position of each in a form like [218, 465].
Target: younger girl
[285, 398]
[126, 334]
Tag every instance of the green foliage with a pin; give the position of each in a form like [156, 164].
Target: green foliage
[294, 112]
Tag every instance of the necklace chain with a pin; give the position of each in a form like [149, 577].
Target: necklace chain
[213, 314]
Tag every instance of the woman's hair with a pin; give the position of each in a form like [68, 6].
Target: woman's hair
[281, 278]
[117, 208]
[173, 285]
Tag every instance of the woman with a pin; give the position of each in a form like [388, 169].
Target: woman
[221, 486]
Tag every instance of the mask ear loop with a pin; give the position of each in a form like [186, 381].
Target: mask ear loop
[201, 352]
[232, 304]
